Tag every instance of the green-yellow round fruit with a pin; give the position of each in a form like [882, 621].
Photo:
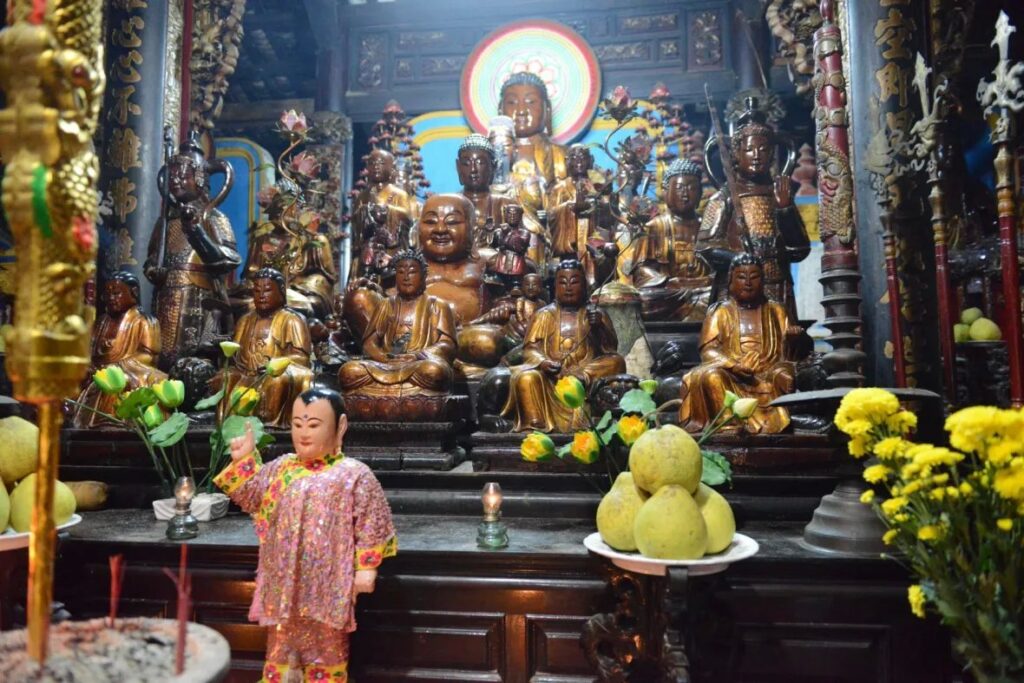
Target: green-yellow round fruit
[718, 518]
[5, 508]
[969, 315]
[984, 329]
[23, 496]
[669, 526]
[961, 332]
[664, 456]
[617, 513]
[20, 453]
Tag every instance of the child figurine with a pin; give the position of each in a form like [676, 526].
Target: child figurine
[324, 527]
[512, 241]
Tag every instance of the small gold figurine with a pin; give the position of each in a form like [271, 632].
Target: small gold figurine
[747, 346]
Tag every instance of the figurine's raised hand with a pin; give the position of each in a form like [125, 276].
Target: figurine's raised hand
[242, 446]
[364, 581]
[783, 192]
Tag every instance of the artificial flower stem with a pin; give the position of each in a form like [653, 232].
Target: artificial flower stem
[664, 406]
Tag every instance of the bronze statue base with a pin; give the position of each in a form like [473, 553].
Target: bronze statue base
[419, 408]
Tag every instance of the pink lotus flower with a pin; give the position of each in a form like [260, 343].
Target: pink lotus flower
[266, 196]
[305, 164]
[660, 93]
[293, 122]
[620, 105]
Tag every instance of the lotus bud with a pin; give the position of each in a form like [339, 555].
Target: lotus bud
[110, 380]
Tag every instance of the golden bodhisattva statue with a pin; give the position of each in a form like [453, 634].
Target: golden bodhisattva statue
[579, 216]
[747, 346]
[771, 227]
[125, 336]
[410, 341]
[515, 311]
[663, 263]
[381, 205]
[269, 332]
[524, 99]
[564, 338]
[191, 255]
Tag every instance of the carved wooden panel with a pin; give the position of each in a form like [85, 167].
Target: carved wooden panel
[705, 40]
[646, 23]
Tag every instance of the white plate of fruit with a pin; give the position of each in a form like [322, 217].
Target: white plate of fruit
[12, 540]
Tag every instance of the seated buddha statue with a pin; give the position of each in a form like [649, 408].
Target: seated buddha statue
[663, 263]
[455, 272]
[409, 343]
[125, 336]
[268, 332]
[579, 217]
[515, 311]
[564, 338]
[398, 208]
[747, 346]
[524, 99]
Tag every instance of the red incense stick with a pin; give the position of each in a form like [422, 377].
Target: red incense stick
[116, 576]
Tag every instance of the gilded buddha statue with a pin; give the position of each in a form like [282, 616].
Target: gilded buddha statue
[524, 99]
[409, 343]
[565, 338]
[125, 336]
[269, 332]
[663, 263]
[191, 254]
[515, 311]
[770, 227]
[381, 205]
[747, 346]
[455, 272]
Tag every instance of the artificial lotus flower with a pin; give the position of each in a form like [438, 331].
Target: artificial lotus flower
[153, 417]
[293, 122]
[649, 385]
[244, 400]
[744, 407]
[110, 380]
[537, 447]
[305, 164]
[660, 93]
[585, 447]
[570, 392]
[266, 196]
[170, 392]
[277, 366]
[619, 104]
[631, 427]
[229, 348]
[730, 398]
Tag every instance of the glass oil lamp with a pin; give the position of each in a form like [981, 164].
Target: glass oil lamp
[492, 532]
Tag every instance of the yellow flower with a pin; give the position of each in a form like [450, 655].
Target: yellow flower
[876, 474]
[953, 492]
[570, 392]
[1009, 481]
[229, 348]
[871, 404]
[913, 487]
[893, 505]
[243, 400]
[1001, 453]
[867, 497]
[965, 489]
[970, 428]
[631, 427]
[857, 428]
[900, 517]
[537, 447]
[585, 447]
[744, 407]
[170, 392]
[277, 366]
[891, 448]
[110, 380]
[915, 594]
[1004, 524]
[937, 494]
[929, 533]
[889, 536]
[902, 422]
[936, 456]
[858, 447]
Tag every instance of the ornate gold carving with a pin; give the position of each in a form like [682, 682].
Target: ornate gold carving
[172, 68]
[216, 35]
[706, 38]
[413, 40]
[623, 52]
[438, 66]
[650, 22]
[372, 52]
[793, 23]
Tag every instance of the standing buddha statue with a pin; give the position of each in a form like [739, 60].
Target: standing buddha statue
[125, 336]
[191, 255]
[579, 216]
[475, 165]
[380, 192]
[770, 227]
[524, 98]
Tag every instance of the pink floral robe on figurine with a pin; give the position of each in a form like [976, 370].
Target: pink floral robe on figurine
[318, 523]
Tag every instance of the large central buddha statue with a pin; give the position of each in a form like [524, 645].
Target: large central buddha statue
[524, 98]
[747, 346]
[409, 343]
[455, 272]
[566, 338]
[269, 332]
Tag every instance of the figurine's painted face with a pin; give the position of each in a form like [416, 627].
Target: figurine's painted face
[444, 228]
[119, 297]
[409, 278]
[476, 169]
[181, 180]
[683, 194]
[267, 296]
[533, 286]
[746, 284]
[513, 214]
[579, 162]
[526, 105]
[755, 155]
[380, 166]
[570, 287]
[315, 431]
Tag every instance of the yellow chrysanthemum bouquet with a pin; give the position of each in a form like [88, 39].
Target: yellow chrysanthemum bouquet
[603, 439]
[956, 516]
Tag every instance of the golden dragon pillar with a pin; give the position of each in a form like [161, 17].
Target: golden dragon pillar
[52, 75]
